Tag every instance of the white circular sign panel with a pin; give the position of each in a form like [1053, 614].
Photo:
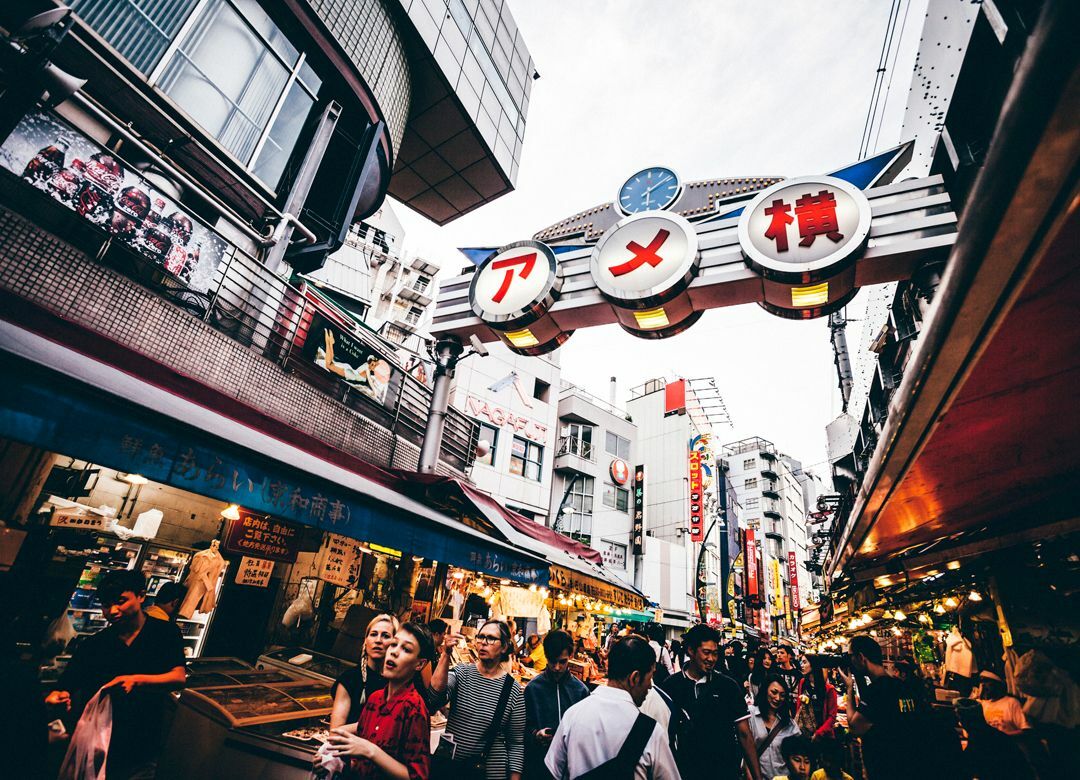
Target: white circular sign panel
[519, 280]
[645, 255]
[804, 226]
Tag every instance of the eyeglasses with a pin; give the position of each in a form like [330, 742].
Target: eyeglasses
[484, 639]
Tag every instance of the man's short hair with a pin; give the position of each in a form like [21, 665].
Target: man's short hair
[116, 583]
[424, 643]
[556, 643]
[437, 626]
[699, 634]
[866, 646]
[169, 592]
[796, 745]
[630, 654]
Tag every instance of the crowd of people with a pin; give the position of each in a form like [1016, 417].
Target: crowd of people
[693, 708]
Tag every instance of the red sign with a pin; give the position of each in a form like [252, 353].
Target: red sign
[509, 263]
[620, 472]
[261, 536]
[751, 566]
[642, 254]
[697, 530]
[675, 398]
[793, 581]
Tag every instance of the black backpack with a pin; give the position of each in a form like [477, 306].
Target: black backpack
[622, 766]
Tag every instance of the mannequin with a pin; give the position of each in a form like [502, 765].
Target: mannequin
[201, 582]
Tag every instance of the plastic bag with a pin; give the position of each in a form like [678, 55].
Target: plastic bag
[326, 765]
[89, 747]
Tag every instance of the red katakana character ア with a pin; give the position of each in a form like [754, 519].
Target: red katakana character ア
[781, 218]
[817, 217]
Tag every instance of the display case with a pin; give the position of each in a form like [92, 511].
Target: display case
[304, 662]
[167, 564]
[268, 731]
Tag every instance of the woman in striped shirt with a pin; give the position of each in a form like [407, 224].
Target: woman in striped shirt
[473, 691]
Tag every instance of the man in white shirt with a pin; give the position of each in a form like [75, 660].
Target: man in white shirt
[599, 732]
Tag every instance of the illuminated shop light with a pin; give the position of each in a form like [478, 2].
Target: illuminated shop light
[522, 338]
[652, 319]
[815, 295]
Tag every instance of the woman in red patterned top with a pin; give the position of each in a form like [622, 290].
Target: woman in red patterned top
[393, 735]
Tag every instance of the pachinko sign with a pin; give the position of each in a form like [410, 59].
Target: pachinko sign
[92, 181]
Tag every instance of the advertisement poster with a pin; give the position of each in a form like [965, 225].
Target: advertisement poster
[254, 572]
[263, 536]
[96, 184]
[361, 367]
[340, 559]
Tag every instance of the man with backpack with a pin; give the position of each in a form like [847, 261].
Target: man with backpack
[606, 736]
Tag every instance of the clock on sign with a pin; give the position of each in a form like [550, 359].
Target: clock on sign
[649, 190]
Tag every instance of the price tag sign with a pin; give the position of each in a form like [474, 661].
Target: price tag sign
[254, 572]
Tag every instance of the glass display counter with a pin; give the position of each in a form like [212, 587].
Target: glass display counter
[306, 663]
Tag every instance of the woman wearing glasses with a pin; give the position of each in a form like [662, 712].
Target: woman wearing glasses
[485, 730]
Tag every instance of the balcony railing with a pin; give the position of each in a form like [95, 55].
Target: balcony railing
[572, 445]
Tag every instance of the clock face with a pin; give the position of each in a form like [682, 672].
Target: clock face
[653, 188]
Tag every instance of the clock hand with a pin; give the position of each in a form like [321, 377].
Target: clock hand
[658, 184]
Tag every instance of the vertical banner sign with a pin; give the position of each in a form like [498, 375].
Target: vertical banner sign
[697, 532]
[793, 580]
[751, 567]
[638, 535]
[777, 586]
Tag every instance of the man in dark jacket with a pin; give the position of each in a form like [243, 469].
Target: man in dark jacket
[547, 697]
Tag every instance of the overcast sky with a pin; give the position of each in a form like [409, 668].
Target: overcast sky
[715, 90]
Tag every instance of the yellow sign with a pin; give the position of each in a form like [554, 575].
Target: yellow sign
[594, 588]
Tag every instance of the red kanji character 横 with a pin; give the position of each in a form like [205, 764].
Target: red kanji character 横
[817, 217]
[781, 218]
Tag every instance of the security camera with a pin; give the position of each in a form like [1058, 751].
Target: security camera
[478, 345]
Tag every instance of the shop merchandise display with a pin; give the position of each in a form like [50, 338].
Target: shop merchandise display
[206, 569]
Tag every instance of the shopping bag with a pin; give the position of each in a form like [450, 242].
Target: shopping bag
[325, 765]
[89, 746]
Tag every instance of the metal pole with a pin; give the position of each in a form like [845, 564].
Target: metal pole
[447, 352]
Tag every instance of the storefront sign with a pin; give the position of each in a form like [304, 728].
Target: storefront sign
[263, 536]
[777, 598]
[84, 518]
[697, 531]
[254, 572]
[333, 349]
[500, 417]
[520, 602]
[594, 588]
[752, 586]
[620, 472]
[646, 255]
[793, 583]
[36, 409]
[614, 554]
[93, 182]
[339, 560]
[637, 534]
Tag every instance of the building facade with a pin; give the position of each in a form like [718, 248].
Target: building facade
[593, 482]
[769, 489]
[514, 400]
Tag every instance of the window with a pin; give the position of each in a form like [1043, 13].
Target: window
[752, 503]
[616, 497]
[414, 315]
[749, 464]
[526, 459]
[577, 514]
[576, 440]
[616, 445]
[233, 71]
[751, 483]
[421, 284]
[541, 390]
[490, 434]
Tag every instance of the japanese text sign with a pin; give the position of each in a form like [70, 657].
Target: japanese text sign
[594, 588]
[752, 588]
[697, 497]
[644, 255]
[637, 534]
[254, 572]
[339, 560]
[515, 285]
[263, 536]
[805, 229]
[82, 518]
[793, 582]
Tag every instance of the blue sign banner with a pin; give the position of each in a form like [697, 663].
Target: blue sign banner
[50, 411]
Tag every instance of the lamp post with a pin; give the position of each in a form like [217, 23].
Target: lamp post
[447, 351]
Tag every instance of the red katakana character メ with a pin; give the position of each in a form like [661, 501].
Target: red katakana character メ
[817, 217]
[781, 218]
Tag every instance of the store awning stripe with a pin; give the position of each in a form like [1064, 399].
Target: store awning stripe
[93, 411]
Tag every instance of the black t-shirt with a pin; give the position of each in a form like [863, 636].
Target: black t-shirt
[352, 680]
[789, 676]
[892, 747]
[708, 747]
[137, 716]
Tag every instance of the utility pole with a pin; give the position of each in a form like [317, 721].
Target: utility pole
[841, 356]
[447, 351]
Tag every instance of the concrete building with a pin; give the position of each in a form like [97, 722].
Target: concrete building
[515, 401]
[769, 487]
[597, 450]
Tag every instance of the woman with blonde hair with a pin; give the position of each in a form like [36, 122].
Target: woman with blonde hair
[354, 686]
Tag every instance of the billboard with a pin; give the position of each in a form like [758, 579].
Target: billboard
[333, 349]
[94, 182]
